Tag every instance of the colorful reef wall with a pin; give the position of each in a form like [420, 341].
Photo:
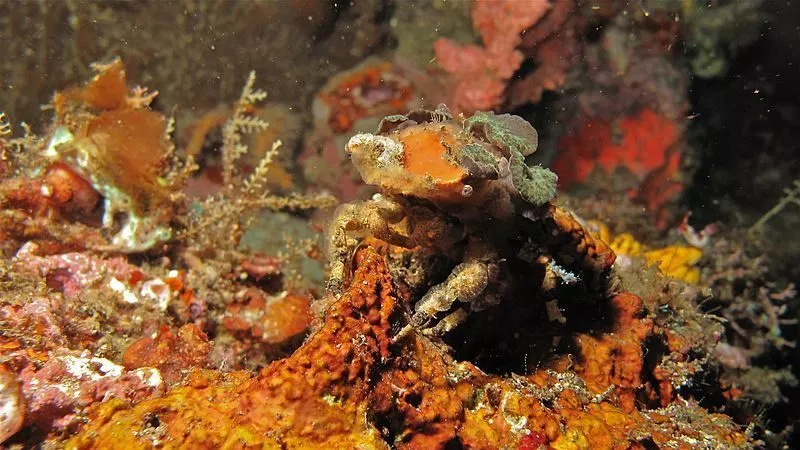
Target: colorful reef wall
[467, 231]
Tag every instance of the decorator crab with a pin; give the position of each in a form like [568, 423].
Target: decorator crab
[460, 188]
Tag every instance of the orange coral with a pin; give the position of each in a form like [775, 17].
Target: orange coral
[617, 358]
[417, 394]
[170, 353]
[315, 399]
[641, 143]
[349, 386]
[271, 320]
[373, 89]
[648, 144]
[479, 74]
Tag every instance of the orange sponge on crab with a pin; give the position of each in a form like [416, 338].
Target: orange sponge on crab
[430, 155]
[416, 160]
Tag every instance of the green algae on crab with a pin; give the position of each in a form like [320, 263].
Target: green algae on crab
[517, 139]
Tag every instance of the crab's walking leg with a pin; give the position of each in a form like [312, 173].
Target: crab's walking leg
[351, 223]
[467, 281]
[448, 323]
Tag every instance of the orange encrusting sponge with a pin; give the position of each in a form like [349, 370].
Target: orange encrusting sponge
[425, 153]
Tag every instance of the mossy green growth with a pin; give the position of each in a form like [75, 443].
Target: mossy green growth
[535, 184]
[510, 133]
[478, 160]
[516, 138]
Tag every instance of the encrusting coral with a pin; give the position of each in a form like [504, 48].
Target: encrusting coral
[315, 399]
[442, 286]
[480, 73]
[349, 385]
[370, 377]
[81, 320]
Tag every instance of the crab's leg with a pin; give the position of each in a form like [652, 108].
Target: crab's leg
[448, 323]
[467, 281]
[353, 221]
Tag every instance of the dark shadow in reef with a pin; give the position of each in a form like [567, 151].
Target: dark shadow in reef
[518, 335]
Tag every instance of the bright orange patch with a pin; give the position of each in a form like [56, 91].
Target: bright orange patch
[648, 144]
[425, 153]
[642, 143]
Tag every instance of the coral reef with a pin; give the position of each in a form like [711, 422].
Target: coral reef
[173, 273]
[350, 371]
[732, 280]
[84, 321]
[373, 379]
[628, 110]
[480, 73]
[629, 68]
[462, 234]
[315, 399]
